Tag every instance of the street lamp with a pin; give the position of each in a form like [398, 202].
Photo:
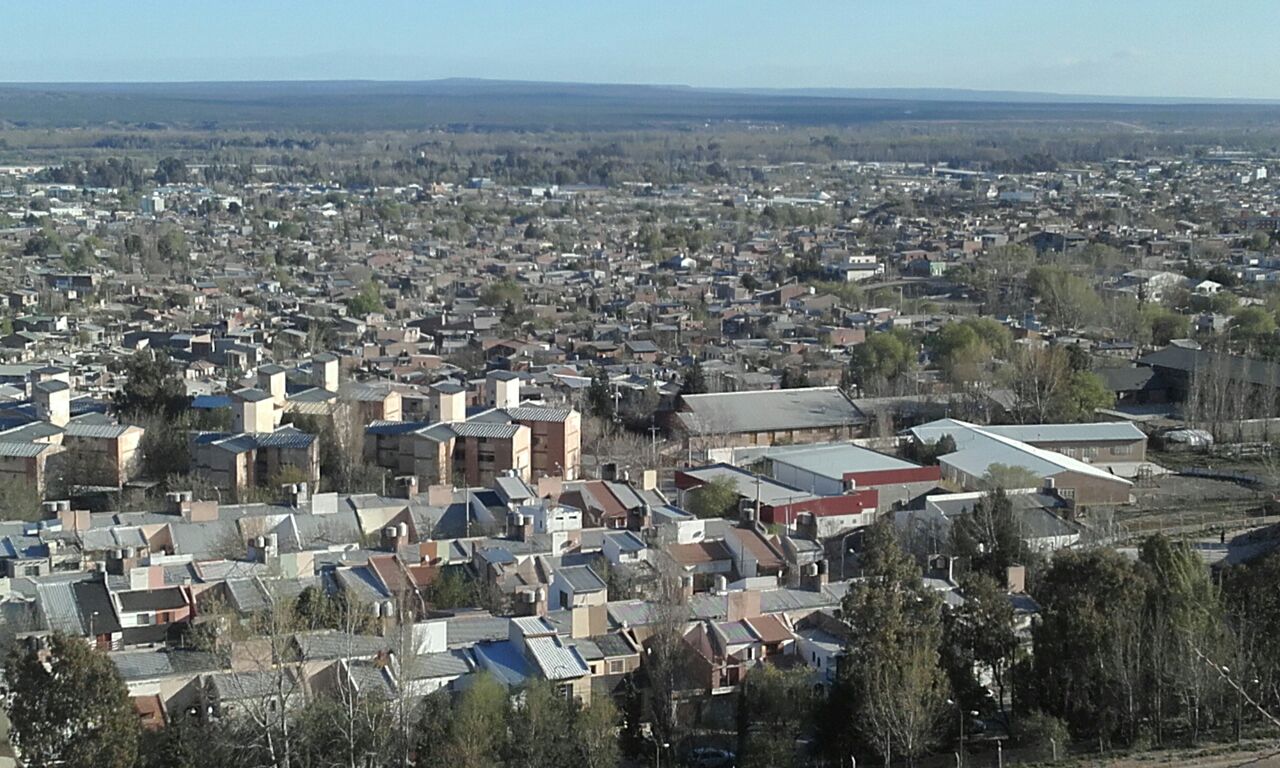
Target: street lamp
[961, 711]
[657, 754]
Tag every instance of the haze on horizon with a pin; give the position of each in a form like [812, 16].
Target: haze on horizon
[1141, 48]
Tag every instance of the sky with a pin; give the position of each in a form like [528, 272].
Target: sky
[1149, 48]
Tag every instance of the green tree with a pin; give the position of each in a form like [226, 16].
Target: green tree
[1069, 300]
[171, 170]
[19, 499]
[693, 382]
[503, 293]
[1086, 392]
[1253, 325]
[600, 396]
[881, 362]
[980, 634]
[172, 245]
[892, 675]
[538, 728]
[1088, 645]
[69, 707]
[596, 734]
[152, 385]
[1184, 627]
[717, 497]
[989, 538]
[478, 733]
[367, 301]
[775, 706]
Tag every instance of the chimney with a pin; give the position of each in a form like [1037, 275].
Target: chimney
[1016, 579]
[74, 519]
[813, 576]
[550, 487]
[295, 494]
[439, 495]
[744, 604]
[531, 601]
[407, 487]
[201, 511]
[177, 502]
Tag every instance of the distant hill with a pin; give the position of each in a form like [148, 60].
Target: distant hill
[495, 104]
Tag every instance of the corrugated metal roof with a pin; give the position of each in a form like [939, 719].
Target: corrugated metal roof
[485, 430]
[23, 450]
[59, 609]
[97, 431]
[554, 660]
[538, 413]
[284, 438]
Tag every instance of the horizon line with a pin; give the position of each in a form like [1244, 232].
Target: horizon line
[905, 93]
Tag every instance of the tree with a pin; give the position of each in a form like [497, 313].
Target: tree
[693, 382]
[478, 732]
[538, 728]
[718, 497]
[774, 708]
[1086, 393]
[152, 385]
[1253, 325]
[964, 349]
[367, 301]
[880, 364]
[980, 633]
[1184, 625]
[600, 396]
[171, 170]
[172, 245]
[595, 734]
[795, 378]
[503, 293]
[19, 500]
[1067, 298]
[1087, 647]
[68, 706]
[892, 675]
[989, 538]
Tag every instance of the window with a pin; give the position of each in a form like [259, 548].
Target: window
[616, 666]
[144, 619]
[1067, 493]
[1121, 450]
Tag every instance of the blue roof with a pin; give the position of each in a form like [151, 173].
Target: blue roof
[504, 661]
[210, 401]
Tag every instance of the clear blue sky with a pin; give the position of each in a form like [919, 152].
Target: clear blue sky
[1114, 47]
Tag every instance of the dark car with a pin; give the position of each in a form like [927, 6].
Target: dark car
[710, 757]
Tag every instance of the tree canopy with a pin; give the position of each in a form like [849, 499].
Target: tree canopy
[69, 707]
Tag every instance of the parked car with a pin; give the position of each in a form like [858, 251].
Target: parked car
[710, 757]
